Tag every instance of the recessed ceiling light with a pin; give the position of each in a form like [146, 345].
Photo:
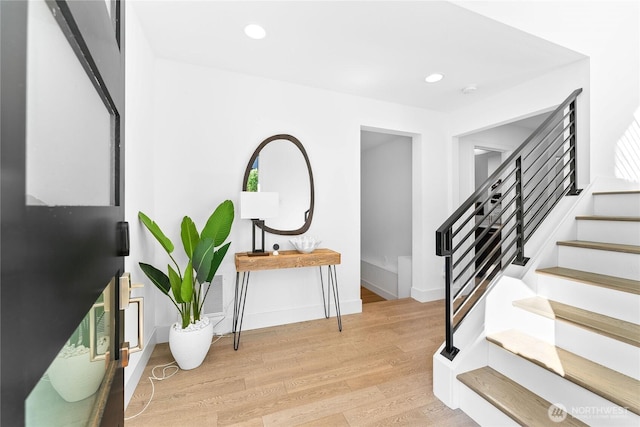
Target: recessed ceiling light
[255, 31]
[433, 78]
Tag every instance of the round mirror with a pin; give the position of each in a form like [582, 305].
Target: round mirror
[280, 164]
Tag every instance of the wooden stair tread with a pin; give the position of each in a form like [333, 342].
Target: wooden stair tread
[608, 218]
[602, 280]
[515, 401]
[611, 385]
[608, 326]
[613, 247]
[603, 193]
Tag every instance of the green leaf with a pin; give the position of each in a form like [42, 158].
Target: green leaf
[186, 291]
[218, 225]
[202, 256]
[189, 235]
[157, 277]
[166, 243]
[218, 256]
[176, 284]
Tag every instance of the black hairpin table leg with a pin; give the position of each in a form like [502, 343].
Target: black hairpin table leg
[332, 282]
[238, 306]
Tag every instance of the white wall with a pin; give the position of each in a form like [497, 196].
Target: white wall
[386, 213]
[208, 123]
[606, 31]
[139, 188]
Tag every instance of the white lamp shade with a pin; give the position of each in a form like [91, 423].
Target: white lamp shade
[258, 204]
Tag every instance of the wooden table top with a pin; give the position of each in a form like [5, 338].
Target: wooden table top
[286, 259]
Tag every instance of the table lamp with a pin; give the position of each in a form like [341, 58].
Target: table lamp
[256, 206]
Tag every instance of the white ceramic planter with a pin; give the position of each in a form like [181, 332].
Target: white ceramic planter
[189, 346]
[76, 377]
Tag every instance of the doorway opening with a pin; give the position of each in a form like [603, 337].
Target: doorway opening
[386, 215]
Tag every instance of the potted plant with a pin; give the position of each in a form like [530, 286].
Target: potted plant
[189, 339]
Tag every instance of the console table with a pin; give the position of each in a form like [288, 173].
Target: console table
[245, 264]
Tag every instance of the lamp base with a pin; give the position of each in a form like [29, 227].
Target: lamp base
[258, 253]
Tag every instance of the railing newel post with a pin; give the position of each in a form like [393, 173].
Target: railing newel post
[573, 150]
[449, 350]
[520, 258]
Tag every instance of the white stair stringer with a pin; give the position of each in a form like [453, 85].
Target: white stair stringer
[618, 264]
[588, 407]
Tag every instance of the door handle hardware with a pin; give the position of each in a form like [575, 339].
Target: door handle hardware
[126, 301]
[139, 302]
[124, 354]
[125, 290]
[123, 238]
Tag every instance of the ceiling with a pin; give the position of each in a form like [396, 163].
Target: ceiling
[376, 49]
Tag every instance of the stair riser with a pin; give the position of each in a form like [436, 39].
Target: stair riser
[601, 349]
[481, 411]
[556, 389]
[621, 305]
[613, 354]
[616, 204]
[622, 232]
[610, 263]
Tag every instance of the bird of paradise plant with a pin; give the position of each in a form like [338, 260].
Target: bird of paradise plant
[205, 252]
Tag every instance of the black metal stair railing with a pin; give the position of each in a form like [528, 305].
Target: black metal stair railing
[490, 229]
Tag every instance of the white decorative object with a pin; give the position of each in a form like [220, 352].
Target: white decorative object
[305, 244]
[189, 346]
[73, 375]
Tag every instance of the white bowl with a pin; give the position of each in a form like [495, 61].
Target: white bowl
[305, 244]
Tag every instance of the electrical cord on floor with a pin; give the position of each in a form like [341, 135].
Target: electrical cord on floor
[153, 376]
[165, 376]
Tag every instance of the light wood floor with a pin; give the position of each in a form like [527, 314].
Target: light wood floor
[368, 296]
[378, 371]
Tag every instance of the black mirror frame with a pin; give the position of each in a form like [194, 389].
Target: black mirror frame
[309, 213]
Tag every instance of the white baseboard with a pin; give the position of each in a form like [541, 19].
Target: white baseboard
[378, 290]
[137, 364]
[282, 317]
[302, 314]
[426, 295]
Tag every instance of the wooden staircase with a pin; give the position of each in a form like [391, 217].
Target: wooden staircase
[589, 366]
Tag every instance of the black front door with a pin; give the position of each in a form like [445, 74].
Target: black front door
[62, 237]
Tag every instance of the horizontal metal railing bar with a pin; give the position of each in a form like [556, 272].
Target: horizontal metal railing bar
[498, 260]
[481, 206]
[559, 157]
[482, 250]
[564, 192]
[482, 235]
[473, 273]
[546, 151]
[558, 121]
[561, 185]
[488, 214]
[498, 272]
[548, 155]
[541, 193]
[470, 201]
[532, 192]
